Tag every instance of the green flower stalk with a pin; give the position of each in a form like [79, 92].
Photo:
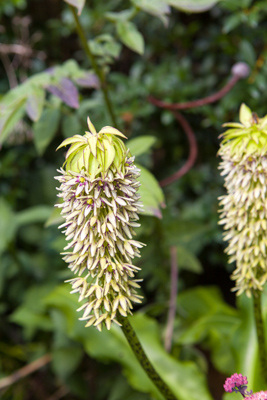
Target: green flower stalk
[98, 185]
[244, 207]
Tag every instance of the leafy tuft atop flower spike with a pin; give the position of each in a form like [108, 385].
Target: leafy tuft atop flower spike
[101, 205]
[244, 207]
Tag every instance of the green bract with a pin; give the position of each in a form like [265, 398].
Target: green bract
[244, 207]
[95, 152]
[248, 137]
[100, 205]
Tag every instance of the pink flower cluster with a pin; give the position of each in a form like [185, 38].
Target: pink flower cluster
[258, 396]
[234, 381]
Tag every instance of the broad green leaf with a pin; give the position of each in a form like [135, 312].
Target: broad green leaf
[151, 193]
[184, 232]
[7, 224]
[141, 144]
[247, 52]
[31, 313]
[130, 36]
[65, 360]
[245, 344]
[10, 117]
[193, 6]
[187, 260]
[35, 103]
[55, 218]
[32, 215]
[45, 129]
[157, 8]
[71, 125]
[232, 22]
[124, 15]
[79, 4]
[205, 317]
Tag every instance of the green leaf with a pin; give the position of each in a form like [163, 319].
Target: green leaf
[193, 6]
[32, 215]
[45, 129]
[7, 224]
[245, 344]
[10, 117]
[55, 218]
[151, 193]
[205, 317]
[231, 22]
[247, 52]
[130, 36]
[187, 260]
[141, 144]
[31, 314]
[124, 15]
[79, 4]
[65, 360]
[157, 8]
[71, 125]
[35, 103]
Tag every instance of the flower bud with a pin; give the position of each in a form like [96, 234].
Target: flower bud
[98, 186]
[244, 208]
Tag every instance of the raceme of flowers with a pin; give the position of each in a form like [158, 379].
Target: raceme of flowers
[236, 383]
[244, 207]
[98, 186]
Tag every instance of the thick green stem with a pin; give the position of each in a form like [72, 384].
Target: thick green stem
[95, 67]
[260, 333]
[143, 360]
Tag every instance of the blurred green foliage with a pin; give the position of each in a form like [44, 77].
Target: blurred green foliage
[157, 48]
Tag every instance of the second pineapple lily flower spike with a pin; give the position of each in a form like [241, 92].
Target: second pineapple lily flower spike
[243, 208]
[98, 186]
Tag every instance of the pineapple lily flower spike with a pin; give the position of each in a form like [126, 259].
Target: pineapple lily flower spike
[244, 211]
[243, 208]
[98, 186]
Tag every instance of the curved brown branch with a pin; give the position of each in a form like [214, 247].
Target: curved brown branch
[173, 295]
[239, 70]
[24, 371]
[196, 103]
[192, 152]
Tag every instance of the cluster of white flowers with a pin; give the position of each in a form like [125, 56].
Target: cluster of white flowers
[101, 206]
[244, 207]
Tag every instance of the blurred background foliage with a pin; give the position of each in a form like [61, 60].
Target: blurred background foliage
[177, 51]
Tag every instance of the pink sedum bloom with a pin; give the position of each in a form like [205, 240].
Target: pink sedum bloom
[258, 396]
[234, 382]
